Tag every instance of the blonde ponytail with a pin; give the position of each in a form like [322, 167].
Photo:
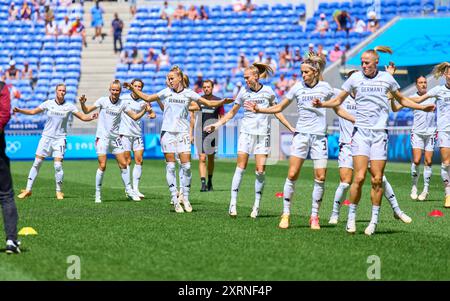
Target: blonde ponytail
[439, 70]
[263, 70]
[316, 63]
[377, 49]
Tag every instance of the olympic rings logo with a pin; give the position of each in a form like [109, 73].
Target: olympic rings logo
[13, 147]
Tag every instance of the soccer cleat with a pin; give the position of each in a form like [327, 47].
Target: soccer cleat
[24, 194]
[133, 196]
[181, 197]
[284, 223]
[139, 194]
[314, 223]
[232, 211]
[59, 195]
[178, 208]
[203, 189]
[351, 226]
[254, 213]
[447, 201]
[370, 230]
[187, 206]
[423, 196]
[403, 217]
[414, 193]
[12, 247]
[98, 200]
[333, 219]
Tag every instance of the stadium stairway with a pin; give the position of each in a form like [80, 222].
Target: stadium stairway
[98, 61]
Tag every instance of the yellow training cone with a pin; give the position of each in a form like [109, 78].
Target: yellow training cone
[27, 231]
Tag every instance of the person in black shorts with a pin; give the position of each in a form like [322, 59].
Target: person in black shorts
[206, 146]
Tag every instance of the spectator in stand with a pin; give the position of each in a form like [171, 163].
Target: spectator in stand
[65, 26]
[297, 58]
[125, 58]
[310, 51]
[249, 7]
[12, 72]
[237, 89]
[336, 53]
[13, 12]
[27, 74]
[179, 13]
[271, 63]
[79, 29]
[25, 12]
[136, 56]
[359, 26]
[153, 58]
[97, 21]
[285, 58]
[49, 15]
[292, 81]
[203, 13]
[324, 56]
[373, 23]
[321, 52]
[133, 7]
[51, 29]
[343, 20]
[167, 13]
[242, 63]
[192, 13]
[164, 59]
[217, 89]
[2, 75]
[228, 87]
[260, 58]
[322, 25]
[238, 5]
[282, 85]
[117, 27]
[198, 83]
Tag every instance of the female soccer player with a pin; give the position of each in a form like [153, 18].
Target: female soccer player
[369, 140]
[441, 96]
[130, 132]
[53, 141]
[310, 135]
[254, 136]
[108, 139]
[175, 129]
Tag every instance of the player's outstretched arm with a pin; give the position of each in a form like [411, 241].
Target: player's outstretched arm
[251, 106]
[28, 112]
[140, 94]
[84, 117]
[86, 109]
[212, 127]
[341, 112]
[284, 121]
[334, 102]
[215, 103]
[193, 107]
[136, 116]
[409, 103]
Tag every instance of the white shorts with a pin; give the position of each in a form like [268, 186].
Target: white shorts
[103, 146]
[444, 139]
[345, 158]
[55, 147]
[423, 142]
[254, 144]
[176, 143]
[316, 145]
[132, 143]
[370, 143]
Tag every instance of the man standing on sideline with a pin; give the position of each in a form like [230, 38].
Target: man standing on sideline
[117, 27]
[9, 209]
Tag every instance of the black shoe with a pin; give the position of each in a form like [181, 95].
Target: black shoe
[12, 247]
[210, 186]
[203, 189]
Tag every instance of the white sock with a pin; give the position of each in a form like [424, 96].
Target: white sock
[375, 213]
[180, 179]
[187, 176]
[390, 196]
[59, 175]
[237, 178]
[414, 174]
[352, 212]
[339, 196]
[259, 187]
[427, 173]
[172, 181]
[317, 195]
[445, 175]
[288, 192]
[98, 180]
[137, 172]
[33, 173]
[125, 173]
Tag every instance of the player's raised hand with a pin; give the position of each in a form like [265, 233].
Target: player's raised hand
[210, 128]
[94, 116]
[316, 103]
[228, 100]
[127, 85]
[16, 110]
[250, 106]
[390, 68]
[83, 99]
[429, 108]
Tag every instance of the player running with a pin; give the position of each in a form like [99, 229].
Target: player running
[107, 137]
[53, 140]
[175, 129]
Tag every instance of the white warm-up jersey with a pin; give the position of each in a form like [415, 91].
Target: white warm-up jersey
[311, 120]
[345, 126]
[109, 117]
[256, 123]
[441, 95]
[372, 104]
[424, 122]
[128, 126]
[176, 109]
[58, 116]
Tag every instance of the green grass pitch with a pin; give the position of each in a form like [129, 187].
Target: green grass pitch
[125, 240]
